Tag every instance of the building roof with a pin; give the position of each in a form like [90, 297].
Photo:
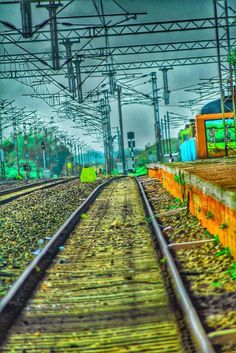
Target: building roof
[215, 107]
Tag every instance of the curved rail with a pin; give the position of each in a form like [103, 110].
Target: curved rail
[189, 311]
[12, 304]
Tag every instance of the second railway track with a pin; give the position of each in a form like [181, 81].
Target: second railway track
[9, 195]
[105, 290]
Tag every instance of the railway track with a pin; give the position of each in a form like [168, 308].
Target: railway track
[103, 292]
[28, 223]
[4, 185]
[11, 194]
[206, 268]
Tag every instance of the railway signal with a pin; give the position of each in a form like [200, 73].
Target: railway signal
[131, 145]
[43, 146]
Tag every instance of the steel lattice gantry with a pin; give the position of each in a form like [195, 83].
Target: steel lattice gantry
[73, 57]
[120, 30]
[139, 30]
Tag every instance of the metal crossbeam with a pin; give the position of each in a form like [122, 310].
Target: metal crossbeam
[102, 69]
[154, 48]
[120, 30]
[121, 50]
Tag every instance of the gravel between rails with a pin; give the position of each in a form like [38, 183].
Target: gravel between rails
[27, 224]
[209, 272]
[105, 291]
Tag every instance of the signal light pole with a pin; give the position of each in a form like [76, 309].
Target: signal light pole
[131, 145]
[44, 155]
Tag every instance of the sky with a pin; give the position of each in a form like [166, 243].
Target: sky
[137, 117]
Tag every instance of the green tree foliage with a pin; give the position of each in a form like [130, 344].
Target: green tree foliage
[232, 54]
[232, 57]
[8, 146]
[30, 152]
[145, 156]
[61, 155]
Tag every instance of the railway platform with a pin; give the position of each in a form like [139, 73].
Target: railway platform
[209, 187]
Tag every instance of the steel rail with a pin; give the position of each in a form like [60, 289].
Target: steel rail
[14, 301]
[48, 185]
[26, 186]
[191, 316]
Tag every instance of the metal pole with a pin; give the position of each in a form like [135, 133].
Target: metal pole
[79, 156]
[104, 130]
[132, 155]
[85, 156]
[234, 97]
[26, 18]
[70, 69]
[36, 152]
[1, 134]
[26, 151]
[231, 69]
[88, 158]
[16, 145]
[109, 137]
[220, 74]
[82, 155]
[162, 134]
[46, 145]
[44, 160]
[166, 137]
[118, 139]
[109, 67]
[1, 147]
[56, 153]
[78, 78]
[52, 8]
[168, 131]
[76, 161]
[156, 117]
[165, 85]
[121, 137]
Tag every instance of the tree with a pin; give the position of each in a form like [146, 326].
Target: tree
[8, 146]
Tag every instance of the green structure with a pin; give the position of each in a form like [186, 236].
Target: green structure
[88, 175]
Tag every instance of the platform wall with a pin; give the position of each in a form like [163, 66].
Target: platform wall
[214, 207]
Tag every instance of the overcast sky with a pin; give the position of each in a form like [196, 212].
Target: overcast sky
[137, 118]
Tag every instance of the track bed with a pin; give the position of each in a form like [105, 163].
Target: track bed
[104, 291]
